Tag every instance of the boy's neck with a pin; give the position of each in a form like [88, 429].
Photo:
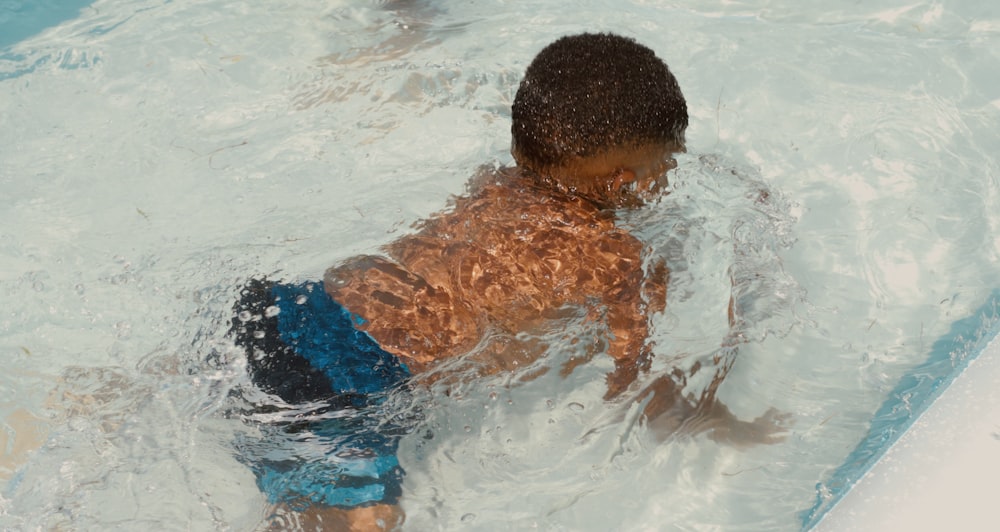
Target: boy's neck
[623, 177]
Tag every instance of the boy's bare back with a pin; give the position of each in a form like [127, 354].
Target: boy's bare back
[503, 259]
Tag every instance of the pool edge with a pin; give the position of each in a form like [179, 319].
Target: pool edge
[912, 397]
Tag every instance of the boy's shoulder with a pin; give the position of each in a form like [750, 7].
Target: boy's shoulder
[509, 195]
[511, 218]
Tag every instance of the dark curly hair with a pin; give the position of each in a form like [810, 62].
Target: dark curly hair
[585, 94]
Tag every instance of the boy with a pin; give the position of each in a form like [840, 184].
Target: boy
[595, 122]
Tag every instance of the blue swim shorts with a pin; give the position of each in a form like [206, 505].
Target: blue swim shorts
[304, 347]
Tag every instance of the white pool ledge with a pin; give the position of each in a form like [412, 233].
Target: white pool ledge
[942, 473]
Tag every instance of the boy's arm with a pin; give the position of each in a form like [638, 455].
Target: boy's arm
[667, 410]
[630, 304]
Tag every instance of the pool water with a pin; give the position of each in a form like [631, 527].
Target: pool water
[840, 181]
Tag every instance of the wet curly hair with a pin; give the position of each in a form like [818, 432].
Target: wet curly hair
[589, 93]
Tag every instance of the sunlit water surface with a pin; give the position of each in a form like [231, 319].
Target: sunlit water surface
[840, 180]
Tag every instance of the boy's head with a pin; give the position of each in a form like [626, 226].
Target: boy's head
[590, 101]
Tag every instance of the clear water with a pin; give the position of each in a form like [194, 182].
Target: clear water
[155, 154]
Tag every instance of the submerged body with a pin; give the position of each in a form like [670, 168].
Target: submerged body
[595, 122]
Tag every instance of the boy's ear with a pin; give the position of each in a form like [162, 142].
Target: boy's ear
[622, 177]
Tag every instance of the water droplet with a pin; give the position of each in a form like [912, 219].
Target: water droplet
[244, 316]
[468, 428]
[258, 334]
[493, 396]
[272, 311]
[576, 407]
[301, 300]
[468, 518]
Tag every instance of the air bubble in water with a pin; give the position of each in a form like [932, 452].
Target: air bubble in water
[272, 311]
[301, 300]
